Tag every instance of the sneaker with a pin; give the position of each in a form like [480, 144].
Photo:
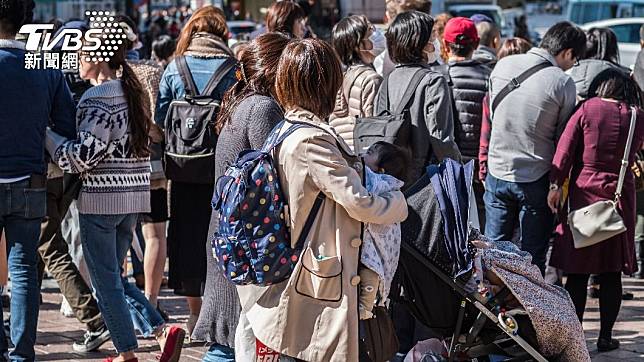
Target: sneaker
[173, 344]
[92, 341]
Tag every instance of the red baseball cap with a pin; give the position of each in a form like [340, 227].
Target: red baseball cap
[460, 31]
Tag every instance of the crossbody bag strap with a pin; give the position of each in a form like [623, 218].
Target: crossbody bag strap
[410, 91]
[186, 77]
[515, 83]
[627, 151]
[216, 78]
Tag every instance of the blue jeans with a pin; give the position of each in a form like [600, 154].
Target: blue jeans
[106, 240]
[219, 353]
[21, 210]
[510, 203]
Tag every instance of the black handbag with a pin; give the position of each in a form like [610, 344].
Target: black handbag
[378, 336]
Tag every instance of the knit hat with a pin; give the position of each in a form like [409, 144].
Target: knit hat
[461, 31]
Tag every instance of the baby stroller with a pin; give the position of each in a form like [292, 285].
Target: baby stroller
[436, 248]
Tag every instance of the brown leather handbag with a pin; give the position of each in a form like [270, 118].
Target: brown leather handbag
[379, 336]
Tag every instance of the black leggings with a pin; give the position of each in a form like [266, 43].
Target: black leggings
[610, 298]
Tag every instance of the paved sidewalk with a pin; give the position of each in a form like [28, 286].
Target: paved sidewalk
[56, 333]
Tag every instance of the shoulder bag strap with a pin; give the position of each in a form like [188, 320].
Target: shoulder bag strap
[516, 83]
[627, 151]
[221, 72]
[310, 219]
[410, 91]
[383, 95]
[186, 77]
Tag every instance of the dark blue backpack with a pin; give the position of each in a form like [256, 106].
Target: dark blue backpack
[252, 244]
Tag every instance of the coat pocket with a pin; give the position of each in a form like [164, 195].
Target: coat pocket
[320, 277]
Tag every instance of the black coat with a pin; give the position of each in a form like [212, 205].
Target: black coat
[468, 82]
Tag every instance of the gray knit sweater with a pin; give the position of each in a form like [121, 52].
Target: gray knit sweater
[250, 125]
[115, 181]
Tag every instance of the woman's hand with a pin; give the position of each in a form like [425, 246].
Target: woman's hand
[554, 198]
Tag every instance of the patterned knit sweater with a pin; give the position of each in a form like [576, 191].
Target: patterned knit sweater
[115, 181]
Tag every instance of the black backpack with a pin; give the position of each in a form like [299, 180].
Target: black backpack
[190, 136]
[391, 125]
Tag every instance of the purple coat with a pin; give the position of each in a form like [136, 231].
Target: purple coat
[590, 152]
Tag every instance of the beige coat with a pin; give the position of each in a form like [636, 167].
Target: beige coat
[355, 99]
[314, 315]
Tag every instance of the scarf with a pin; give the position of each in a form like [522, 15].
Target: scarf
[205, 45]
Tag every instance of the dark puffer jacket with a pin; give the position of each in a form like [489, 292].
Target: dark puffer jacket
[468, 81]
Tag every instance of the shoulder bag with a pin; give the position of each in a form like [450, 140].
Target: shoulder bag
[601, 220]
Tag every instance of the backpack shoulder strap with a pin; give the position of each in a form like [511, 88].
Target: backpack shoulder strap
[410, 91]
[186, 77]
[444, 70]
[221, 72]
[516, 83]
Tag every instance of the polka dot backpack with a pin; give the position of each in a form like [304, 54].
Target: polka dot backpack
[252, 244]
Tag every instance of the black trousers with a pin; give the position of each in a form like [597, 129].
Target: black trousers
[54, 254]
[610, 298]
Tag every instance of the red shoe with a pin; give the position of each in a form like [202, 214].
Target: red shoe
[173, 344]
[111, 359]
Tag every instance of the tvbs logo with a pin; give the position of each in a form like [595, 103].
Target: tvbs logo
[98, 44]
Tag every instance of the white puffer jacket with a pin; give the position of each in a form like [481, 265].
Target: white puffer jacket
[355, 99]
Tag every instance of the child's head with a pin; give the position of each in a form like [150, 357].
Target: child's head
[383, 157]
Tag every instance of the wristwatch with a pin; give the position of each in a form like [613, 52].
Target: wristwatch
[554, 187]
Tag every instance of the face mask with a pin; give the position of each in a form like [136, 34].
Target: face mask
[437, 51]
[379, 43]
[431, 57]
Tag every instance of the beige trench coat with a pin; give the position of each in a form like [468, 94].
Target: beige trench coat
[314, 315]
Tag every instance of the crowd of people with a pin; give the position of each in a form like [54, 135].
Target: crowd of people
[126, 156]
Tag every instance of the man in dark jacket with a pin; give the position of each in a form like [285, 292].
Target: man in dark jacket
[467, 79]
[31, 100]
[489, 44]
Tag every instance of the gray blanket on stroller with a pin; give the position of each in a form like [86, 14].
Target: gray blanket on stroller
[549, 307]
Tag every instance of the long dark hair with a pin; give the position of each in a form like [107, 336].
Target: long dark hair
[258, 67]
[138, 109]
[601, 44]
[282, 15]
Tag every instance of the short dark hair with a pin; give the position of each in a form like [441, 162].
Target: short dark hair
[393, 159]
[616, 84]
[282, 15]
[424, 6]
[12, 16]
[564, 35]
[487, 32]
[408, 35]
[462, 50]
[163, 47]
[309, 76]
[348, 33]
[601, 44]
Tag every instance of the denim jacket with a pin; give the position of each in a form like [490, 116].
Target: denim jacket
[202, 69]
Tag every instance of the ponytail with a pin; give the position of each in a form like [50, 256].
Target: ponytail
[231, 100]
[138, 112]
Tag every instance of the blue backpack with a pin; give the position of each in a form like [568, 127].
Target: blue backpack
[252, 244]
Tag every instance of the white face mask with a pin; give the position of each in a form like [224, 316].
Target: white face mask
[379, 43]
[437, 51]
[431, 57]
